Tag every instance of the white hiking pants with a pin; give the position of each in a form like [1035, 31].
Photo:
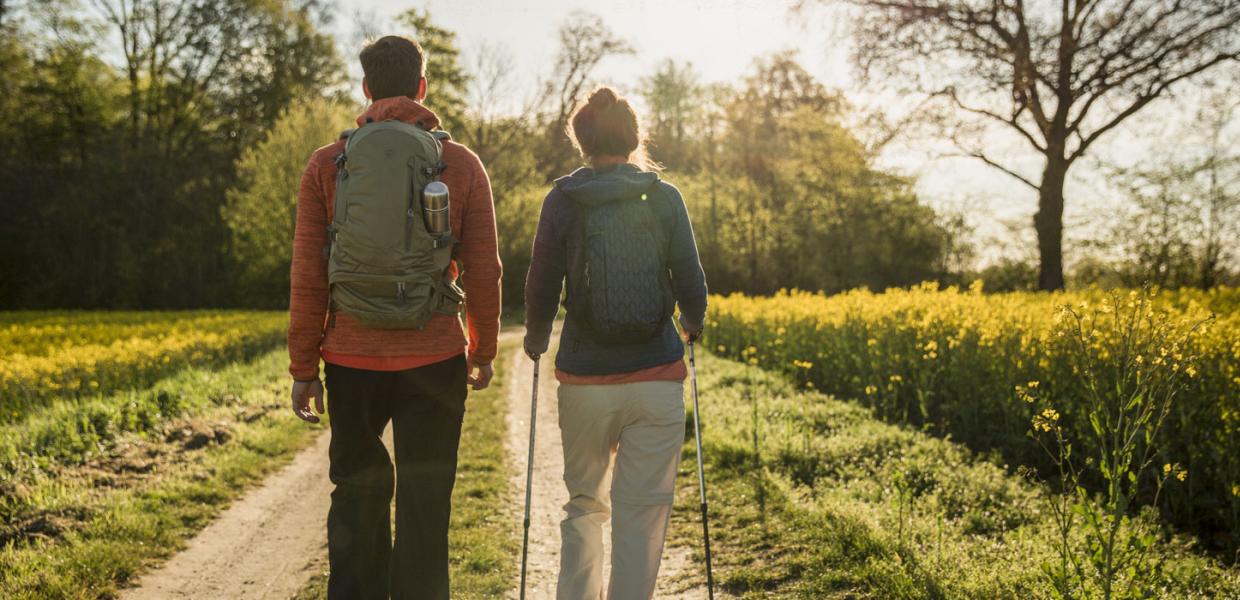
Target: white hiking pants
[640, 426]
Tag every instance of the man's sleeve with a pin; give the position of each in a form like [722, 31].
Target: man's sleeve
[545, 280]
[481, 269]
[688, 279]
[308, 294]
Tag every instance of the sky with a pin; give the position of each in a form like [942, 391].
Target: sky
[721, 38]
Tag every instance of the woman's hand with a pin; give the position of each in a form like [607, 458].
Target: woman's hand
[691, 333]
[530, 352]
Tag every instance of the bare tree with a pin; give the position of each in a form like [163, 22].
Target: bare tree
[1058, 74]
[1183, 225]
[1220, 171]
[497, 126]
[585, 41]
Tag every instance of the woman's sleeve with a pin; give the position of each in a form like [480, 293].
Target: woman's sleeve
[545, 280]
[688, 279]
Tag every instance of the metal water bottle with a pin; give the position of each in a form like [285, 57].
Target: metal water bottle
[435, 206]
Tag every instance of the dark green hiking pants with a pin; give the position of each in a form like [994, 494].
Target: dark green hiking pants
[425, 406]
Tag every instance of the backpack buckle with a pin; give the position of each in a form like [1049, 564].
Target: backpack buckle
[435, 170]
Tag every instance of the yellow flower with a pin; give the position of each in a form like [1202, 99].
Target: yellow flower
[870, 390]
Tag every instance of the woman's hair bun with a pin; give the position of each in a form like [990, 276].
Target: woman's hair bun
[603, 98]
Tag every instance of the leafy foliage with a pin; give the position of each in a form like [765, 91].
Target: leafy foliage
[261, 209]
[128, 121]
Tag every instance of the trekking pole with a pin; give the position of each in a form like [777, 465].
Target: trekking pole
[529, 478]
[697, 436]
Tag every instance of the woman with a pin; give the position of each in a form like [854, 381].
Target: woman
[622, 240]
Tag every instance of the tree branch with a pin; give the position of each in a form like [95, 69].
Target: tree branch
[1146, 98]
[1009, 121]
[979, 155]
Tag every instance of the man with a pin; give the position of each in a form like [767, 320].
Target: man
[410, 370]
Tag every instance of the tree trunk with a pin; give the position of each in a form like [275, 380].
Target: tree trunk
[1048, 222]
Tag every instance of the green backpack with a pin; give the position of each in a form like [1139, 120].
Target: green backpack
[384, 268]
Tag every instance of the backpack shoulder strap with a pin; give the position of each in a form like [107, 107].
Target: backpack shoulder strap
[663, 204]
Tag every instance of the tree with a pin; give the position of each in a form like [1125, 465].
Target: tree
[1183, 218]
[262, 210]
[759, 125]
[507, 142]
[585, 41]
[1060, 75]
[674, 100]
[130, 115]
[1219, 181]
[794, 198]
[447, 83]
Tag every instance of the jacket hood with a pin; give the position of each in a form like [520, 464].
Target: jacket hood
[600, 186]
[399, 108]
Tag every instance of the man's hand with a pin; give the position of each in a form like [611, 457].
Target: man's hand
[482, 378]
[303, 391]
[691, 333]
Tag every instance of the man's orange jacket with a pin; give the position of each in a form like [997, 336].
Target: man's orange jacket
[343, 340]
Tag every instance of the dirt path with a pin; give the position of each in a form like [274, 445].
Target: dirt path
[678, 576]
[270, 542]
[265, 545]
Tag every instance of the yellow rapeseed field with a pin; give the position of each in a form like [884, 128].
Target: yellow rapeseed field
[963, 363]
[50, 355]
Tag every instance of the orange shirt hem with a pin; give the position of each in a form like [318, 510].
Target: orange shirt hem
[387, 363]
[673, 371]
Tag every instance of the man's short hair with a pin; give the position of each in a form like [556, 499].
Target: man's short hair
[393, 66]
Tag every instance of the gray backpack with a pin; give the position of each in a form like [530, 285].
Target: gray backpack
[620, 287]
[383, 267]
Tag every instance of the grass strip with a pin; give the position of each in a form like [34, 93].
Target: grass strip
[80, 530]
[69, 431]
[813, 497]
